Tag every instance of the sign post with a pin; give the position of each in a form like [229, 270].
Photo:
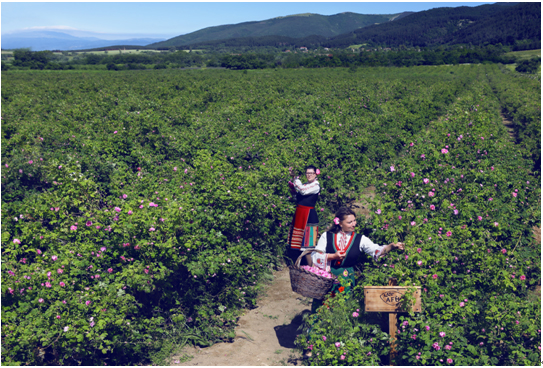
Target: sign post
[388, 299]
[392, 320]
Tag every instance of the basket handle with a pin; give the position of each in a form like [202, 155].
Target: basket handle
[297, 264]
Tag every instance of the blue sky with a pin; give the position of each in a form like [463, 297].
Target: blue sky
[169, 19]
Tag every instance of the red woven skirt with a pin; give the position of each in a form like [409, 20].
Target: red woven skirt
[298, 229]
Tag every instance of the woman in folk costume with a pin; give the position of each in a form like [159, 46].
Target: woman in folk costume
[342, 247]
[305, 226]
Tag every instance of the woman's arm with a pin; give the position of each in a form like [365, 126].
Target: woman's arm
[391, 246]
[377, 251]
[305, 189]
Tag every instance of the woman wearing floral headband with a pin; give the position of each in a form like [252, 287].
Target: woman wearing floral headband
[304, 230]
[341, 248]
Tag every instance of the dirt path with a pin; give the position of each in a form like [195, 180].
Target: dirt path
[264, 335]
[360, 207]
[510, 127]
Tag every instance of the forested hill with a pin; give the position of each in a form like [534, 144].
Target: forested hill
[299, 26]
[498, 23]
[505, 23]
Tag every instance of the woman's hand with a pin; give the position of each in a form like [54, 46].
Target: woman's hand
[337, 256]
[389, 247]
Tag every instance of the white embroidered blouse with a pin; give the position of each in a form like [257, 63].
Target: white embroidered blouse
[305, 189]
[366, 245]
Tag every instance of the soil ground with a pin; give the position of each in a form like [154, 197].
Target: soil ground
[510, 127]
[361, 207]
[264, 335]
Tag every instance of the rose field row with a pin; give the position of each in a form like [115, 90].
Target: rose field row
[144, 209]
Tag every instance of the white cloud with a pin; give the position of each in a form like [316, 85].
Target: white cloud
[52, 27]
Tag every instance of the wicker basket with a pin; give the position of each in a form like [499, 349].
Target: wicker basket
[307, 283]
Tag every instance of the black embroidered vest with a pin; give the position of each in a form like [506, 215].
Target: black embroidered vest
[307, 200]
[352, 252]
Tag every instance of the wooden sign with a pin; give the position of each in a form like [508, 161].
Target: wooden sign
[388, 298]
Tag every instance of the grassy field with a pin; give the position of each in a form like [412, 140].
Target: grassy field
[115, 52]
[525, 55]
[357, 46]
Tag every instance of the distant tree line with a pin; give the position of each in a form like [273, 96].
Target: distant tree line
[322, 58]
[397, 58]
[35, 60]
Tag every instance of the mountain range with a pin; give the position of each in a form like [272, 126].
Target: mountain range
[504, 23]
[491, 24]
[297, 26]
[39, 40]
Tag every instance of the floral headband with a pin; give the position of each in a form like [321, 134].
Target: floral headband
[336, 221]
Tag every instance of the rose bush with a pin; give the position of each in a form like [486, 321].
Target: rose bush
[138, 208]
[468, 232]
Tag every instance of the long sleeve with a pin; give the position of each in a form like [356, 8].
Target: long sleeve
[370, 248]
[305, 189]
[320, 259]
